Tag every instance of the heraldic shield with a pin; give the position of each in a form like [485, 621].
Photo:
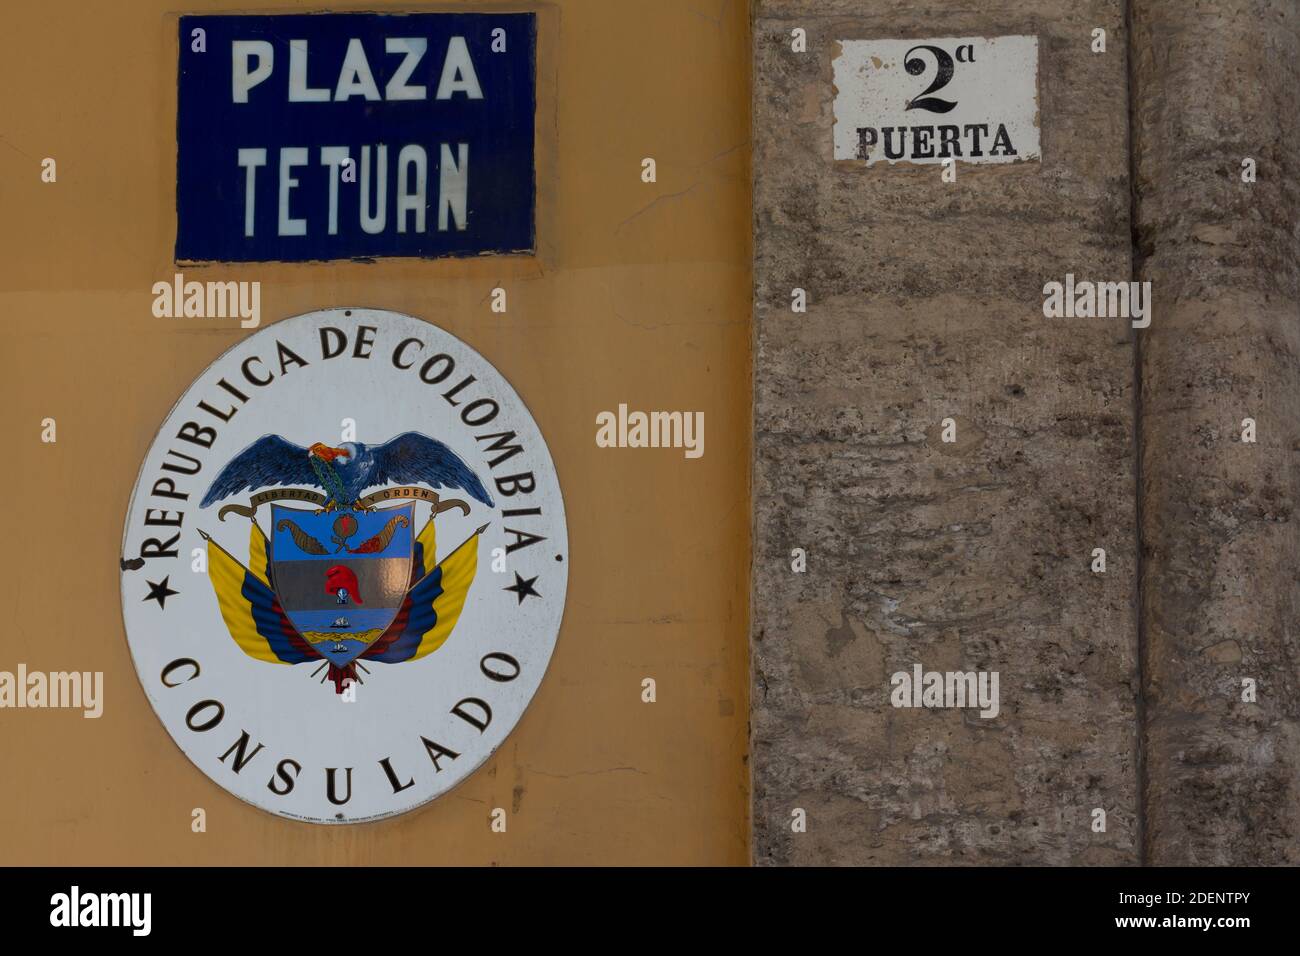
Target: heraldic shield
[341, 576]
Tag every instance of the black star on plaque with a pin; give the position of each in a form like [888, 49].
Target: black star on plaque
[523, 587]
[160, 591]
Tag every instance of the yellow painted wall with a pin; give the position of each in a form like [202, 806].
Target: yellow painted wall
[639, 293]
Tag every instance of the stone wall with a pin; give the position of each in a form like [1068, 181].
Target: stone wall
[1162, 691]
[925, 303]
[1214, 84]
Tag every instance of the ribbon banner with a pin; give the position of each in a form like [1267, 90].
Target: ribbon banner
[412, 492]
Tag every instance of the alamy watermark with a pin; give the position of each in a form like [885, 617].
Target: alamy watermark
[651, 430]
[179, 299]
[75, 908]
[959, 689]
[77, 690]
[1101, 300]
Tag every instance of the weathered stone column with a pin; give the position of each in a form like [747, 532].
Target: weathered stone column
[925, 302]
[1213, 84]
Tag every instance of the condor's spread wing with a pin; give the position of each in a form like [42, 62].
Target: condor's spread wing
[416, 458]
[268, 461]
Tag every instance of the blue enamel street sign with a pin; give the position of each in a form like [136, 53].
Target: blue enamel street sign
[355, 136]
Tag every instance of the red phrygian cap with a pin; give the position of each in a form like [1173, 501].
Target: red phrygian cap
[339, 577]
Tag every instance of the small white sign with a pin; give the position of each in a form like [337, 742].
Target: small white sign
[972, 99]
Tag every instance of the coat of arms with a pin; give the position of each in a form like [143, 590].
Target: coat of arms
[271, 579]
[345, 583]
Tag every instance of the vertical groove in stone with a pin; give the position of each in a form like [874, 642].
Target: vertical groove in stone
[926, 303]
[1140, 733]
[1213, 83]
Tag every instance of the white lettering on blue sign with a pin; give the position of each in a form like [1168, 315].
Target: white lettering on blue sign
[331, 136]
